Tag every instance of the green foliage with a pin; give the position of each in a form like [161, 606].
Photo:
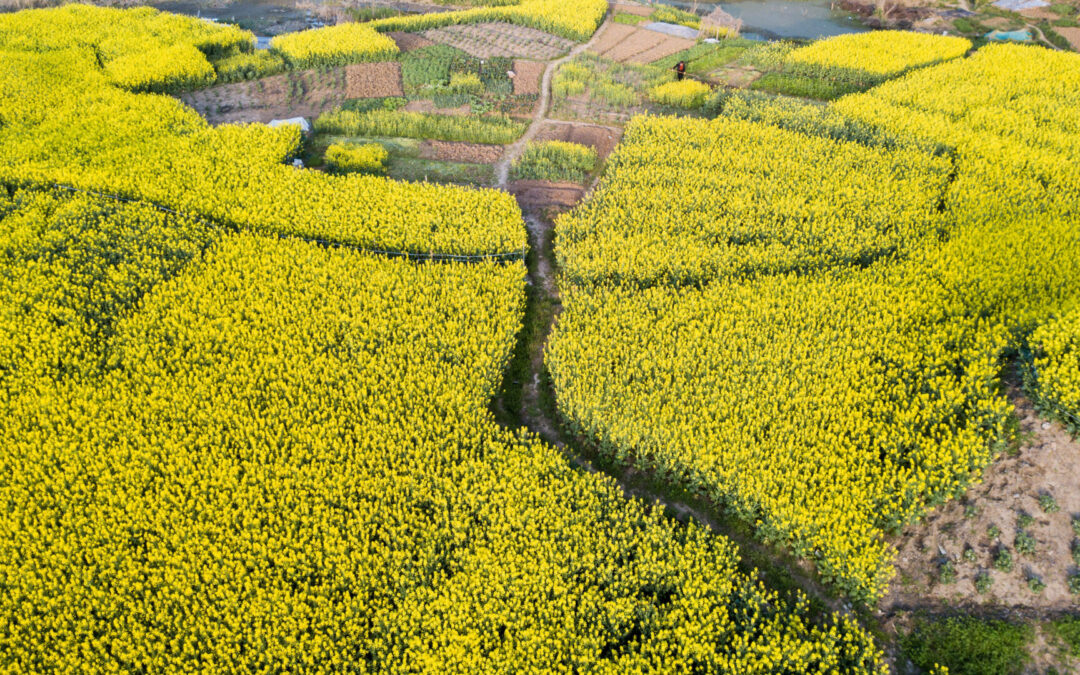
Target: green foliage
[363, 105]
[428, 67]
[803, 86]
[369, 158]
[1035, 583]
[968, 646]
[705, 56]
[969, 554]
[983, 582]
[1074, 583]
[1048, 504]
[768, 56]
[1025, 543]
[993, 532]
[555, 161]
[1024, 520]
[947, 573]
[1004, 560]
[620, 85]
[1068, 630]
[493, 130]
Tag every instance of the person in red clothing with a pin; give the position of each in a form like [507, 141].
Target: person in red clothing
[680, 70]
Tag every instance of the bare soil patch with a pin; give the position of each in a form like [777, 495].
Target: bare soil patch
[736, 77]
[636, 10]
[628, 44]
[428, 106]
[469, 153]
[485, 40]
[408, 42]
[1048, 463]
[1072, 35]
[527, 76]
[546, 195]
[603, 139]
[306, 93]
[669, 46]
[373, 80]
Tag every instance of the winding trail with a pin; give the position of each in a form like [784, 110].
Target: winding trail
[528, 397]
[502, 169]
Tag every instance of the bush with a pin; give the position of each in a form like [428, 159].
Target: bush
[685, 94]
[555, 161]
[968, 646]
[367, 158]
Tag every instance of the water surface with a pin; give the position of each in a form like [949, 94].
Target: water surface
[772, 19]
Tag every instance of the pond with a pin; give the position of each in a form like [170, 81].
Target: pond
[774, 19]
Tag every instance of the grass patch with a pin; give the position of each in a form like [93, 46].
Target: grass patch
[1067, 630]
[431, 171]
[705, 57]
[804, 87]
[629, 19]
[434, 70]
[488, 130]
[555, 161]
[969, 646]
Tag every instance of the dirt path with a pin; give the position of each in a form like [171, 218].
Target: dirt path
[502, 169]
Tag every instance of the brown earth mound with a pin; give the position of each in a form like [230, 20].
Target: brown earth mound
[408, 42]
[469, 153]
[539, 194]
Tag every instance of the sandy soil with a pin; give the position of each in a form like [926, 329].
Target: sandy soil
[1048, 463]
[471, 153]
[628, 44]
[603, 139]
[296, 94]
[527, 76]
[485, 40]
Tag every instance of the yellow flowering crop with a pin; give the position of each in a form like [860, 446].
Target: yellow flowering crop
[362, 158]
[167, 69]
[686, 200]
[573, 19]
[1057, 368]
[281, 459]
[684, 94]
[334, 46]
[875, 55]
[64, 122]
[800, 312]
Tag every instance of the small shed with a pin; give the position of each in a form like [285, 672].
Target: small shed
[719, 24]
[301, 122]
